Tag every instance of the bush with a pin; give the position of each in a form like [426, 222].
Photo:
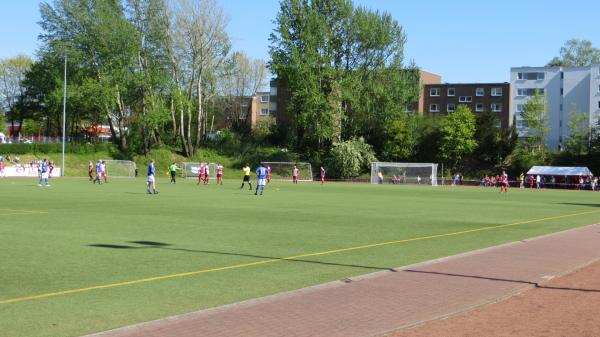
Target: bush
[350, 158]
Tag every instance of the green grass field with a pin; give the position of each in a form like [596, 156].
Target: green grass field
[59, 244]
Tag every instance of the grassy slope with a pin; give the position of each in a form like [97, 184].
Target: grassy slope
[77, 164]
[208, 226]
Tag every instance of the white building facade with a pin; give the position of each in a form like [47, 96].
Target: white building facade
[564, 90]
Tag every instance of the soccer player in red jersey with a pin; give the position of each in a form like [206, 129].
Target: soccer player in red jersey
[295, 174]
[322, 175]
[206, 173]
[104, 174]
[201, 174]
[91, 170]
[504, 182]
[268, 174]
[531, 180]
[219, 174]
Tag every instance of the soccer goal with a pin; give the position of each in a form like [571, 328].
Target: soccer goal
[404, 173]
[120, 168]
[191, 170]
[283, 170]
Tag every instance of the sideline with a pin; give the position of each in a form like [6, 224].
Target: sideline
[251, 264]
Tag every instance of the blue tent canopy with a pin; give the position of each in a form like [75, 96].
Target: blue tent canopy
[559, 171]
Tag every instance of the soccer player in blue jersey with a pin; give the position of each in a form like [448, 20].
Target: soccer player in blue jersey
[261, 174]
[43, 169]
[98, 173]
[151, 182]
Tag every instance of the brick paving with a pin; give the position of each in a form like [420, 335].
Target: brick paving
[382, 302]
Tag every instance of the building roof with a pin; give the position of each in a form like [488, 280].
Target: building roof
[559, 171]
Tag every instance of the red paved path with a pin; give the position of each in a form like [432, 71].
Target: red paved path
[565, 306]
[386, 301]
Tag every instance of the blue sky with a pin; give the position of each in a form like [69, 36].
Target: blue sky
[462, 40]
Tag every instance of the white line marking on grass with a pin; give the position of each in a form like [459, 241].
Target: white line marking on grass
[289, 258]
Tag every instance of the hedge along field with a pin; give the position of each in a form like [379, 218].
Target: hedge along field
[79, 258]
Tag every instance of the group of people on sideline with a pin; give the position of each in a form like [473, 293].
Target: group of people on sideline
[536, 181]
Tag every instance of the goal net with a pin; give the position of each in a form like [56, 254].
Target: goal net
[283, 170]
[404, 173]
[192, 170]
[120, 168]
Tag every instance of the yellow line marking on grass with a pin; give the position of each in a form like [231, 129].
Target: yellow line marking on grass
[295, 257]
[6, 211]
[21, 210]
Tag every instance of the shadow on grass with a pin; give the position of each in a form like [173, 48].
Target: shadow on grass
[535, 284]
[578, 204]
[166, 246]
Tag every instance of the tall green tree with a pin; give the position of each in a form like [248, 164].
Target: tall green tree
[534, 116]
[579, 132]
[343, 68]
[404, 136]
[198, 46]
[457, 136]
[12, 75]
[576, 53]
[97, 37]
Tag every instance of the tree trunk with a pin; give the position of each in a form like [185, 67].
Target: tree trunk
[200, 112]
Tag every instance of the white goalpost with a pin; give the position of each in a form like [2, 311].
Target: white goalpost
[191, 170]
[283, 170]
[120, 168]
[404, 173]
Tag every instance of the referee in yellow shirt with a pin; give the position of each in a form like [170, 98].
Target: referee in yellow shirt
[246, 170]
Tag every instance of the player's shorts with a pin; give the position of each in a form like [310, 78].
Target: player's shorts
[247, 178]
[504, 184]
[45, 175]
[151, 178]
[219, 175]
[261, 182]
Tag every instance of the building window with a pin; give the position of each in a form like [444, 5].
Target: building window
[599, 88]
[465, 99]
[520, 107]
[560, 123]
[264, 111]
[562, 91]
[264, 98]
[529, 91]
[451, 92]
[479, 92]
[434, 108]
[409, 108]
[560, 108]
[598, 104]
[451, 107]
[562, 75]
[496, 91]
[496, 107]
[479, 107]
[434, 92]
[531, 76]
[273, 91]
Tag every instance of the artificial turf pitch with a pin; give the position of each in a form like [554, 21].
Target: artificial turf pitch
[60, 243]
